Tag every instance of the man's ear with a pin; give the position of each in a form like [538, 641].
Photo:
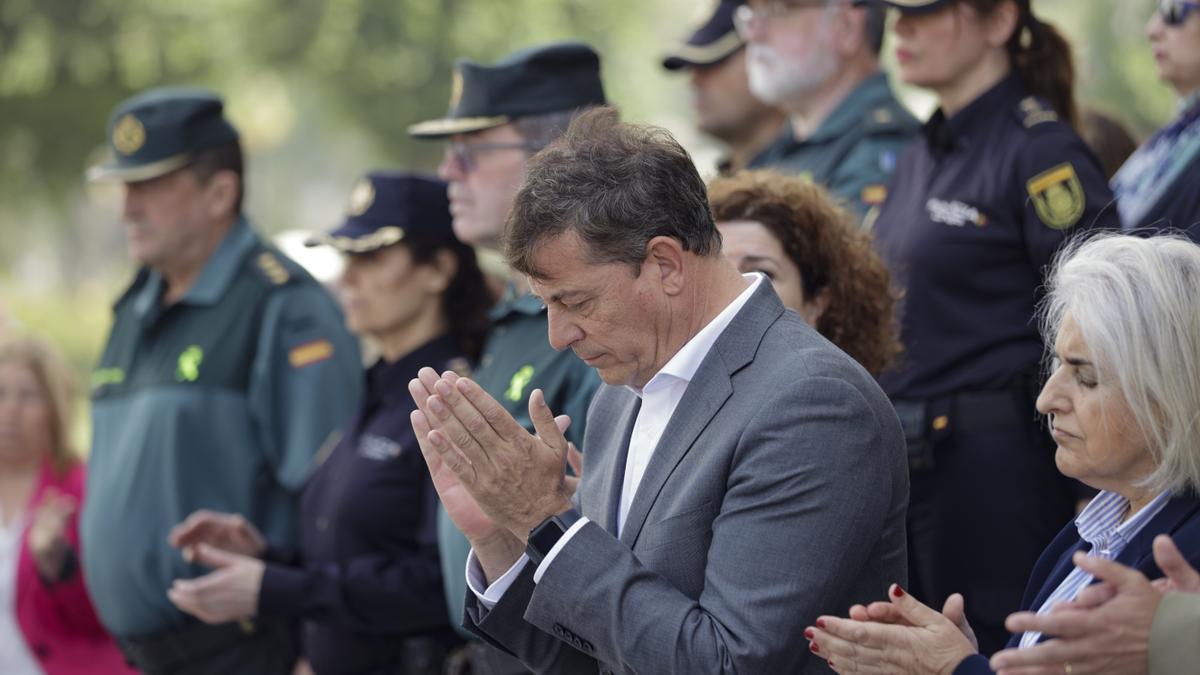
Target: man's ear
[665, 259]
[222, 191]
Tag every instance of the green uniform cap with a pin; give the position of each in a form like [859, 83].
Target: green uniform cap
[534, 81]
[160, 130]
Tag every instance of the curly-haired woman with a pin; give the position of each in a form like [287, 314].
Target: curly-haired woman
[821, 265]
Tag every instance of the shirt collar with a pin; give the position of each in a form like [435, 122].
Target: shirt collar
[390, 380]
[515, 301]
[684, 364]
[218, 272]
[870, 92]
[1099, 524]
[944, 132]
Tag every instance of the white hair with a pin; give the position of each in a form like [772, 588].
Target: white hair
[1136, 303]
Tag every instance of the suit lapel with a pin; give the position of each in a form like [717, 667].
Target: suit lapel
[1137, 554]
[708, 390]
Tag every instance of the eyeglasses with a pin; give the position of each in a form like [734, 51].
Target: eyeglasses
[466, 154]
[745, 17]
[1175, 12]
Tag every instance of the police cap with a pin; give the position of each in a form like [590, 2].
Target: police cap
[386, 207]
[712, 42]
[160, 130]
[534, 81]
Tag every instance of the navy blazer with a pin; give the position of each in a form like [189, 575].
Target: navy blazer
[1180, 518]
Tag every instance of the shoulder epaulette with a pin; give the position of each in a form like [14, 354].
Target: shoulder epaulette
[274, 268]
[889, 116]
[1033, 111]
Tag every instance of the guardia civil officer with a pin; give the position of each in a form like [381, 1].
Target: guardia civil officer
[500, 114]
[226, 368]
[366, 579]
[977, 208]
[714, 59]
[819, 62]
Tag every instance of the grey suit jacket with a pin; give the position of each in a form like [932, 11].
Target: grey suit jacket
[777, 493]
[1174, 647]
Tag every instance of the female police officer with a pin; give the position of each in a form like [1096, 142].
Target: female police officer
[978, 206]
[367, 581]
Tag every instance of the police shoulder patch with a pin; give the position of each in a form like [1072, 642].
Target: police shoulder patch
[1033, 111]
[313, 351]
[1057, 196]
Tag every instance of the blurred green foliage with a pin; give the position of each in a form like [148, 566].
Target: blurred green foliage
[324, 90]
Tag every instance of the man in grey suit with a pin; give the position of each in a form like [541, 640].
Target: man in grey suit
[741, 475]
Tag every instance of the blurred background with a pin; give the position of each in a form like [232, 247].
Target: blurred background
[323, 90]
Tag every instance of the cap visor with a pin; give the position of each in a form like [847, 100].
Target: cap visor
[911, 6]
[381, 238]
[455, 125]
[692, 56]
[135, 174]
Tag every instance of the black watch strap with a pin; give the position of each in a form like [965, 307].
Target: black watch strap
[543, 537]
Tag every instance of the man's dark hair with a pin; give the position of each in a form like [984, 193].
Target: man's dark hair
[616, 186]
[228, 157]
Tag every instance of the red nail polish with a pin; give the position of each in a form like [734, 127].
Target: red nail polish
[813, 646]
[821, 624]
[808, 633]
[898, 592]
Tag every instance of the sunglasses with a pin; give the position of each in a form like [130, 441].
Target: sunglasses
[1175, 12]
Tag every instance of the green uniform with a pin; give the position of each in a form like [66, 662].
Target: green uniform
[516, 360]
[218, 401]
[854, 151]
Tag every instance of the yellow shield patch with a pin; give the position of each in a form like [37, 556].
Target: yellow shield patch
[1057, 196]
[128, 135]
[456, 89]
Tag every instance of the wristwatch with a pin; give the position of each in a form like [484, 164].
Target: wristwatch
[543, 537]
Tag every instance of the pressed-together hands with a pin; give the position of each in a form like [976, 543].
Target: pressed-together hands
[899, 636]
[495, 479]
[48, 534]
[230, 545]
[1106, 629]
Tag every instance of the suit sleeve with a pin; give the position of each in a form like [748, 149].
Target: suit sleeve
[377, 593]
[761, 586]
[1175, 635]
[307, 379]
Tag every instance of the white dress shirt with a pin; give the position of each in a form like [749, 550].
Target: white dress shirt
[660, 397]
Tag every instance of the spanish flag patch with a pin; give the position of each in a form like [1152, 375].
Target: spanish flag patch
[873, 195]
[309, 353]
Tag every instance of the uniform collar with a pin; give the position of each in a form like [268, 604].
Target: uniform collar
[851, 112]
[390, 380]
[515, 301]
[946, 132]
[218, 272]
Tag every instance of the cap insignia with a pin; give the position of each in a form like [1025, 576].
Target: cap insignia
[361, 197]
[128, 135]
[456, 89]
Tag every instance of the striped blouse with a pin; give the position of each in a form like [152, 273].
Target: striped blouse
[1100, 525]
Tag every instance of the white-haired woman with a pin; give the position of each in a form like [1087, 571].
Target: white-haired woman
[1121, 399]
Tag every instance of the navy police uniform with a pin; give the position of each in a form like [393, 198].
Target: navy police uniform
[216, 401]
[366, 579]
[975, 214]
